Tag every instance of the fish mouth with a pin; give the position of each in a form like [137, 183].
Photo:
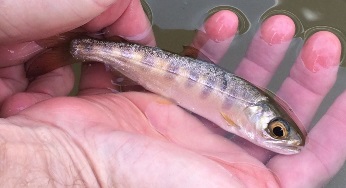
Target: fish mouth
[287, 150]
[284, 148]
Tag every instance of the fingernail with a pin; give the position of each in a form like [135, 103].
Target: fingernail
[221, 26]
[321, 51]
[104, 3]
[277, 29]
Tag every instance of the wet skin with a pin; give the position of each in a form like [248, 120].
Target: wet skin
[135, 138]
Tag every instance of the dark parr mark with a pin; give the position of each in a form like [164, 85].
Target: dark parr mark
[192, 79]
[148, 60]
[172, 70]
[193, 76]
[227, 102]
[208, 87]
[223, 82]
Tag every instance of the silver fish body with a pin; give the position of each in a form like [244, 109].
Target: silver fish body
[229, 101]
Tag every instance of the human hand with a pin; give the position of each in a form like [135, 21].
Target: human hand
[20, 40]
[311, 78]
[121, 139]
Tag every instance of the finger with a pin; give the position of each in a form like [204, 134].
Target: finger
[215, 36]
[305, 88]
[139, 31]
[312, 75]
[12, 72]
[185, 130]
[16, 54]
[267, 50]
[95, 78]
[263, 57]
[322, 157]
[56, 83]
[15, 28]
[12, 80]
[59, 17]
[108, 17]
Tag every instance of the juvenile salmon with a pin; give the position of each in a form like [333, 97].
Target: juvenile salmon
[229, 101]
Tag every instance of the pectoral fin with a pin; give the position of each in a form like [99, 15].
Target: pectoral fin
[229, 120]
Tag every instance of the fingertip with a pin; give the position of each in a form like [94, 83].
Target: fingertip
[108, 17]
[214, 37]
[58, 82]
[313, 75]
[277, 29]
[139, 31]
[267, 50]
[20, 102]
[321, 51]
[221, 25]
[49, 18]
[94, 78]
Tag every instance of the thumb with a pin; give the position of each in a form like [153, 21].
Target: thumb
[24, 20]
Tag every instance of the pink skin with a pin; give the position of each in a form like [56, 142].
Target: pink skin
[37, 90]
[124, 136]
[267, 50]
[219, 32]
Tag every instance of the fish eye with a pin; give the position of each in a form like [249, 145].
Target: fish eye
[278, 128]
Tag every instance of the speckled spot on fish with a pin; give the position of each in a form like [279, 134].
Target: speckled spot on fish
[223, 83]
[127, 53]
[88, 47]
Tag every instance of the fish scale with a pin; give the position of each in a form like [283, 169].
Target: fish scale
[201, 87]
[231, 85]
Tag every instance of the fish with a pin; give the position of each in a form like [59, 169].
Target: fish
[204, 88]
